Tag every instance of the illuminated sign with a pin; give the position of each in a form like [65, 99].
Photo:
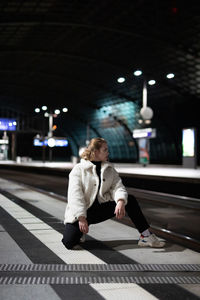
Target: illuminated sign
[51, 142]
[8, 124]
[144, 133]
[188, 142]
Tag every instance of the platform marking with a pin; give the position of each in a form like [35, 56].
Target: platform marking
[47, 235]
[99, 279]
[100, 267]
[122, 291]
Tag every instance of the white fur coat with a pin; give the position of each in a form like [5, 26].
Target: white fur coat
[83, 188]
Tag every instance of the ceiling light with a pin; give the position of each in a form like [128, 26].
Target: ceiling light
[57, 111]
[65, 109]
[170, 75]
[151, 82]
[121, 79]
[37, 110]
[137, 73]
[44, 107]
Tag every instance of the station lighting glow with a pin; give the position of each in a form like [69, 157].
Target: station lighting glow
[137, 73]
[170, 75]
[44, 107]
[8, 124]
[151, 82]
[65, 109]
[57, 111]
[46, 114]
[121, 79]
[37, 110]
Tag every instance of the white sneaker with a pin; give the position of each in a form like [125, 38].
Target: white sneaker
[150, 241]
[82, 239]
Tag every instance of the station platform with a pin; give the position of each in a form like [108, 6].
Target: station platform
[174, 171]
[34, 264]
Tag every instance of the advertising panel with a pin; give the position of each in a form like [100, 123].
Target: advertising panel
[188, 142]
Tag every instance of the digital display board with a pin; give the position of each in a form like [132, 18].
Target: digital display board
[8, 124]
[52, 142]
[144, 133]
[188, 142]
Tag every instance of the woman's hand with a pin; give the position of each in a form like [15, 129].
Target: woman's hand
[83, 225]
[120, 209]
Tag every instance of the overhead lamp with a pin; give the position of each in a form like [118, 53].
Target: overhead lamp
[65, 109]
[57, 111]
[170, 75]
[51, 142]
[137, 73]
[37, 110]
[44, 107]
[121, 79]
[151, 82]
[46, 114]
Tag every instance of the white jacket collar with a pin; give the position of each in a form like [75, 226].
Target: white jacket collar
[86, 164]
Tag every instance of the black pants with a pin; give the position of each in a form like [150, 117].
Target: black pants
[100, 212]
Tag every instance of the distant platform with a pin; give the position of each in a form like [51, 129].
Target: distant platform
[130, 169]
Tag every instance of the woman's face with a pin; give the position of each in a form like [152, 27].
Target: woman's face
[102, 153]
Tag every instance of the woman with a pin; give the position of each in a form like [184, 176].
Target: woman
[96, 193]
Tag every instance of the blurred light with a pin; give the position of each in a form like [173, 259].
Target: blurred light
[57, 111]
[51, 142]
[10, 124]
[151, 82]
[54, 127]
[46, 114]
[121, 79]
[147, 121]
[140, 121]
[65, 109]
[137, 73]
[44, 107]
[37, 110]
[170, 75]
[14, 123]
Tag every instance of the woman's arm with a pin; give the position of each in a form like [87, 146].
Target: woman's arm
[76, 198]
[118, 190]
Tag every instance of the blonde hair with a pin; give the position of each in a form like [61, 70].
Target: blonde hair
[94, 144]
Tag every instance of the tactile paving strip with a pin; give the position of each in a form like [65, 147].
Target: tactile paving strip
[102, 267]
[97, 279]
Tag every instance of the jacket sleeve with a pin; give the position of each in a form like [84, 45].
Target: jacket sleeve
[76, 200]
[118, 190]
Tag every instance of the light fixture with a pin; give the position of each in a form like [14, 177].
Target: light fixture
[44, 107]
[137, 73]
[170, 75]
[65, 109]
[151, 82]
[51, 142]
[37, 110]
[121, 79]
[46, 114]
[57, 111]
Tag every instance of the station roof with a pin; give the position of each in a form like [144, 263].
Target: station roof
[71, 53]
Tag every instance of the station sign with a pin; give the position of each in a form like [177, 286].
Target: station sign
[144, 133]
[51, 142]
[8, 124]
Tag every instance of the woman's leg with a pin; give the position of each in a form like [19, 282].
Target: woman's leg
[72, 235]
[100, 212]
[95, 214]
[134, 212]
